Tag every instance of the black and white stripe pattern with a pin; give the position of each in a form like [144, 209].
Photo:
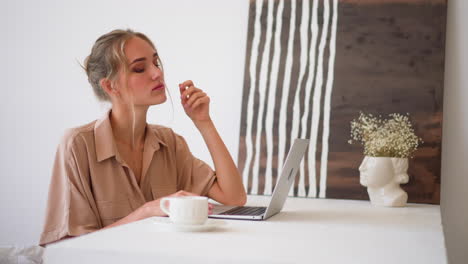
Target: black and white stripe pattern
[287, 91]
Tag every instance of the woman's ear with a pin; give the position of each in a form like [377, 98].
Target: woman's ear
[107, 86]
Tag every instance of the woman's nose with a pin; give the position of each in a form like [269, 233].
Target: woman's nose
[155, 72]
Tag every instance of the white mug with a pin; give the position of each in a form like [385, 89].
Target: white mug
[186, 210]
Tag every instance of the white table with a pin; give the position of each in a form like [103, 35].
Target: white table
[306, 231]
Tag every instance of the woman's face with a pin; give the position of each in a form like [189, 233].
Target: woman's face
[145, 79]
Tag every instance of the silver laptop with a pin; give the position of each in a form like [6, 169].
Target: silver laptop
[290, 168]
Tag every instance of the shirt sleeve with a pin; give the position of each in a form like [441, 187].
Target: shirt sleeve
[69, 208]
[193, 175]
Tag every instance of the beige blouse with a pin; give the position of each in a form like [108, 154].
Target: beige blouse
[91, 186]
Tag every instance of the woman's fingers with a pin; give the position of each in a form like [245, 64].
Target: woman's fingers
[210, 208]
[187, 83]
[194, 98]
[203, 100]
[184, 193]
[185, 88]
[187, 93]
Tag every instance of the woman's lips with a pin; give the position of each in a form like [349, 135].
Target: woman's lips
[159, 87]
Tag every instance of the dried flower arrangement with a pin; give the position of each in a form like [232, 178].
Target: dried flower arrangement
[393, 137]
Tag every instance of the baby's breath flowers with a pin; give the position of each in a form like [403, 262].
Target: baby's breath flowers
[393, 137]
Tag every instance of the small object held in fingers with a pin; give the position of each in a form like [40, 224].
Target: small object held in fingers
[185, 88]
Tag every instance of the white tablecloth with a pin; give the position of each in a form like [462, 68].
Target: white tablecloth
[306, 231]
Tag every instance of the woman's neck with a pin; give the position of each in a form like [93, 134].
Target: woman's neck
[128, 127]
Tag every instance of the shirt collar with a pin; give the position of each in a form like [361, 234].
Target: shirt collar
[105, 143]
[152, 139]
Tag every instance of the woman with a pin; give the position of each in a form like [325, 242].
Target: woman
[115, 170]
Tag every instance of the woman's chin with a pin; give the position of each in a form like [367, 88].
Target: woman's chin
[158, 101]
[149, 103]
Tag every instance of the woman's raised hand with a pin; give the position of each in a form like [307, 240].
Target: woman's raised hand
[196, 103]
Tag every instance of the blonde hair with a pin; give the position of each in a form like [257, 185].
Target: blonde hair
[107, 58]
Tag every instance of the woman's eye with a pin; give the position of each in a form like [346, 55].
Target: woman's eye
[138, 70]
[157, 64]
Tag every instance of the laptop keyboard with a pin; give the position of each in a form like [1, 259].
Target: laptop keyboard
[245, 210]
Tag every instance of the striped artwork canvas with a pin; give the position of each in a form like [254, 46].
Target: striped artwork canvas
[312, 65]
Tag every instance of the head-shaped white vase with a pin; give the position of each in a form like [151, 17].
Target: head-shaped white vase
[382, 176]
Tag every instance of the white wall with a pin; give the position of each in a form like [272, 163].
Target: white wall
[454, 200]
[44, 91]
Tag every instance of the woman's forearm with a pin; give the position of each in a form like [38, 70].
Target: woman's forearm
[149, 209]
[138, 214]
[228, 177]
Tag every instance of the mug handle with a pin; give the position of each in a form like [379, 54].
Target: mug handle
[162, 205]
